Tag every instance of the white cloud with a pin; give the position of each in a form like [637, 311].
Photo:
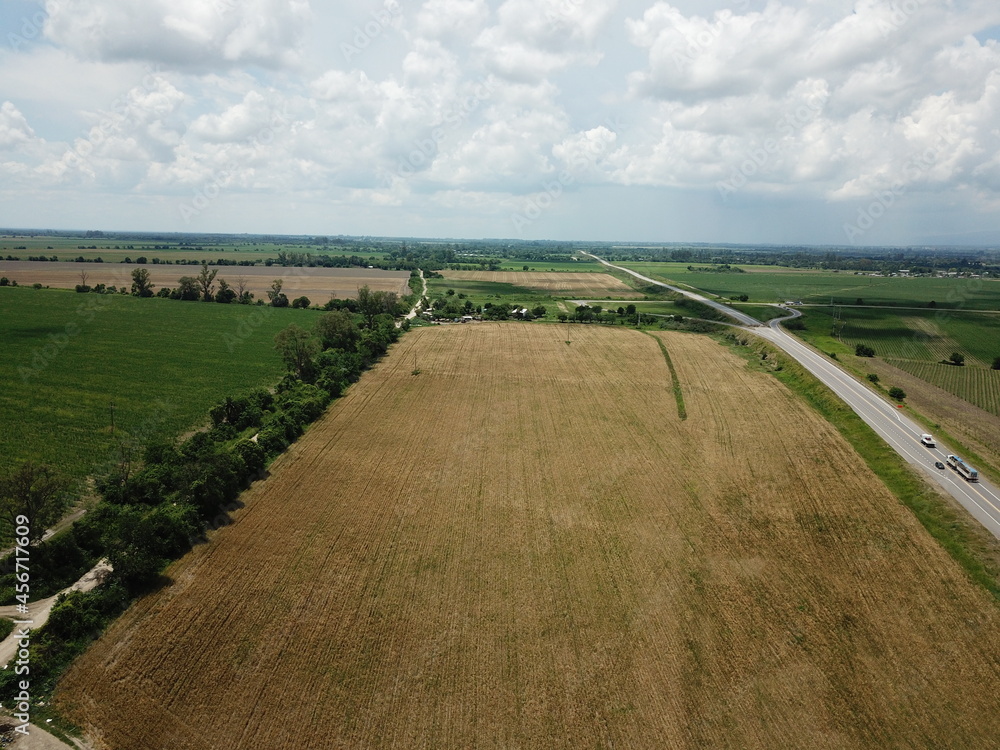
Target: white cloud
[185, 33]
[535, 38]
[471, 105]
[14, 128]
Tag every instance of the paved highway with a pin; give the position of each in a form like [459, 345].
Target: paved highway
[981, 499]
[743, 319]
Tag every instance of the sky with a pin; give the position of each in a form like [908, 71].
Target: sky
[823, 122]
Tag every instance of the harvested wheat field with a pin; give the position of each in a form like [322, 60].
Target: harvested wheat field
[318, 283]
[523, 546]
[558, 283]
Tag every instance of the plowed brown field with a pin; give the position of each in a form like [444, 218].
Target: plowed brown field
[581, 284]
[524, 547]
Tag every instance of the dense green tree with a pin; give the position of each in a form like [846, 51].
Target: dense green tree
[897, 393]
[38, 493]
[336, 330]
[187, 289]
[371, 304]
[957, 359]
[226, 294]
[297, 347]
[141, 285]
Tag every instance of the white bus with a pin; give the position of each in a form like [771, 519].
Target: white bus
[963, 468]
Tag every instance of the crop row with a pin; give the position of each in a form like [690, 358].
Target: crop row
[975, 385]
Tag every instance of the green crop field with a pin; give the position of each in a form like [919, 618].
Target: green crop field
[775, 284]
[117, 250]
[68, 357]
[924, 336]
[974, 384]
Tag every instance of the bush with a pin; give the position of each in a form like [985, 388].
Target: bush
[862, 350]
[272, 439]
[897, 393]
[873, 377]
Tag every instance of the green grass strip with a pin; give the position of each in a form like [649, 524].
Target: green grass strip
[970, 546]
[676, 383]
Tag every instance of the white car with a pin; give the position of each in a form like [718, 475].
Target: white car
[927, 440]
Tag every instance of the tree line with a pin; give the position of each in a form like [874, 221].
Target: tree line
[158, 500]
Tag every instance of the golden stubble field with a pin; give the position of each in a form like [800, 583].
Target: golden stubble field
[524, 547]
[555, 282]
[317, 283]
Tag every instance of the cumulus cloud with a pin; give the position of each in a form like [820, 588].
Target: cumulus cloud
[533, 39]
[474, 104]
[14, 128]
[189, 33]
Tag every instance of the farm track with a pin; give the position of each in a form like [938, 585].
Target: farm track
[524, 546]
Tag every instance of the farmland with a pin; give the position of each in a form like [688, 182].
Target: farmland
[319, 284]
[557, 283]
[976, 385]
[534, 550]
[162, 363]
[777, 284]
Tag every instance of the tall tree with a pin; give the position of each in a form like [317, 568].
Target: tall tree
[141, 285]
[225, 294]
[37, 492]
[206, 282]
[371, 304]
[297, 347]
[243, 293]
[336, 330]
[278, 299]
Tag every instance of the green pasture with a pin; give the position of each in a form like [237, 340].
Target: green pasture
[67, 358]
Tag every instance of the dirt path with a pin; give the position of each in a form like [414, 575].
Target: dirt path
[38, 611]
[416, 307]
[65, 522]
[38, 614]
